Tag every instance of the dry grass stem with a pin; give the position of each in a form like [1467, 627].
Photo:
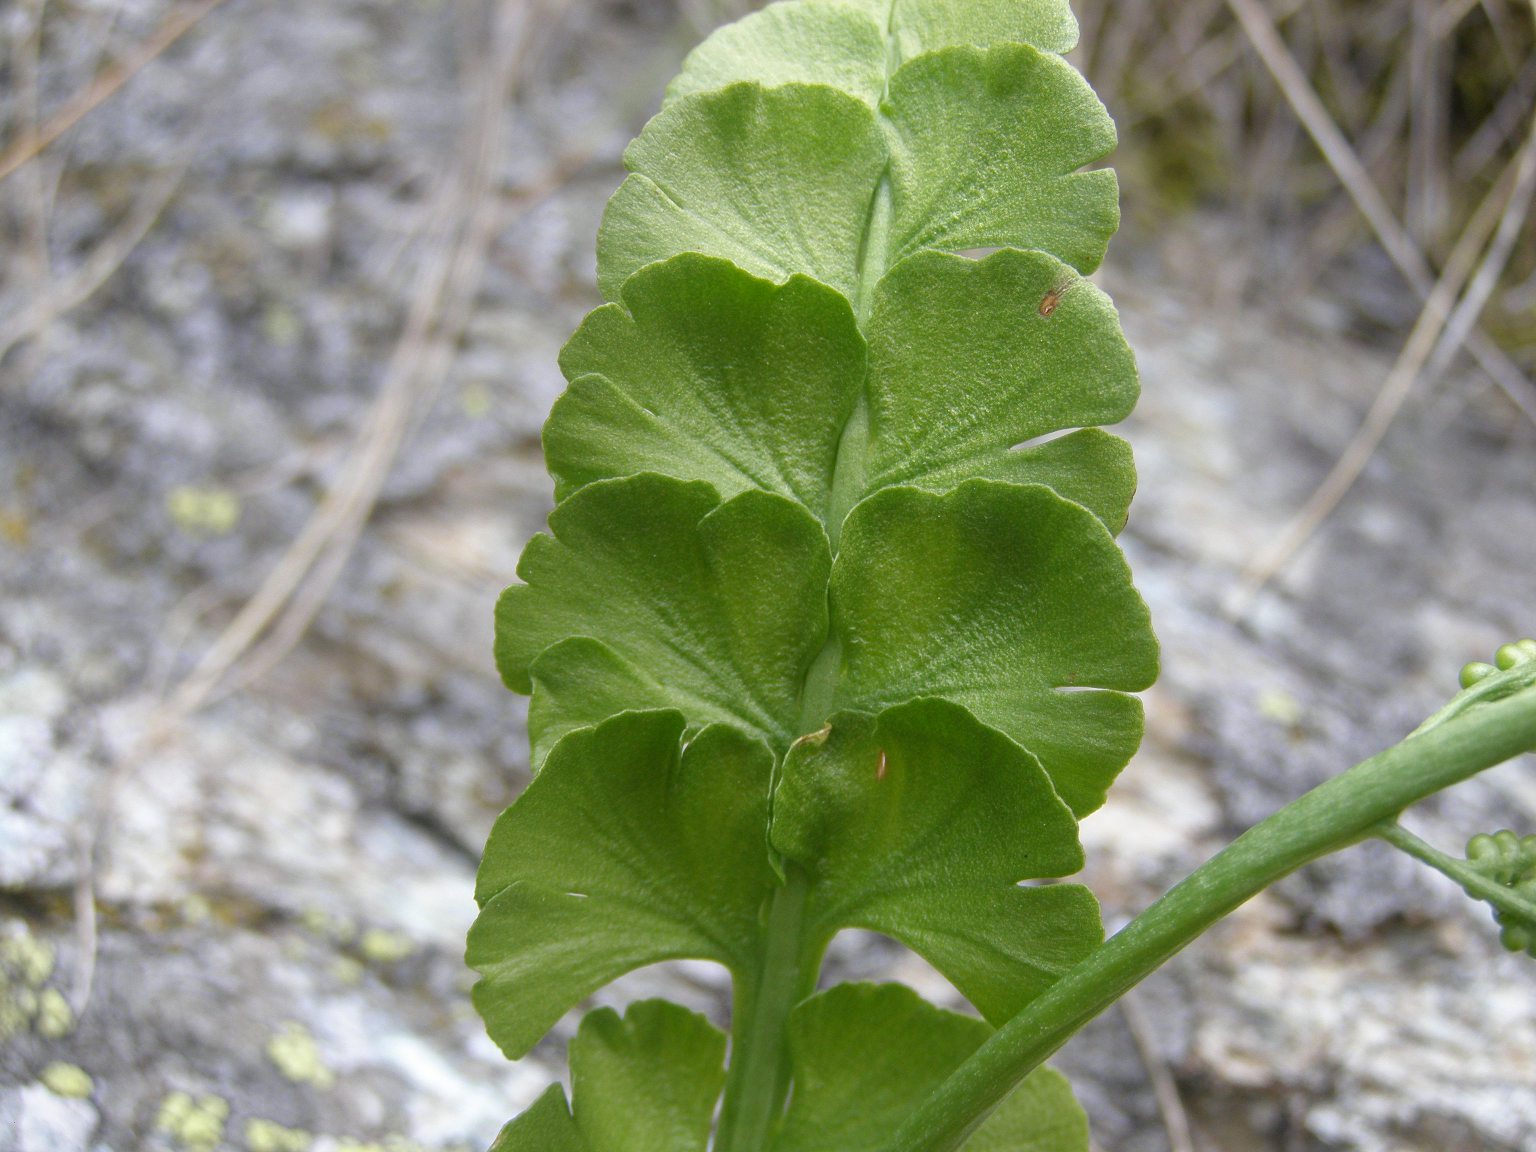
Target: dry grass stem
[1482, 147]
[70, 292]
[104, 86]
[1399, 245]
[1197, 71]
[281, 611]
[1170, 1106]
[85, 918]
[34, 197]
[1438, 335]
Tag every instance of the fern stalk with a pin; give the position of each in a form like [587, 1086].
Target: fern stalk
[1357, 805]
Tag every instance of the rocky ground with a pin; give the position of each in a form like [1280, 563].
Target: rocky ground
[231, 914]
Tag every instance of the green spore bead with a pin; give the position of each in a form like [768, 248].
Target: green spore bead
[1510, 655]
[1504, 857]
[1509, 860]
[1518, 938]
[1481, 847]
[1475, 672]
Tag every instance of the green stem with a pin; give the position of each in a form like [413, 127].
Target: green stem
[1473, 882]
[757, 1084]
[1345, 810]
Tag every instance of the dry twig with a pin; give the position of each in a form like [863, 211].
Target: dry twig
[1437, 336]
[1196, 71]
[104, 86]
[105, 259]
[85, 917]
[1164, 1087]
[1345, 162]
[34, 202]
[285, 604]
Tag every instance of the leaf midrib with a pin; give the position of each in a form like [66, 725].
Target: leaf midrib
[850, 469]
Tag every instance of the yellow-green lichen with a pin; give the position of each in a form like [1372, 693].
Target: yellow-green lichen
[26, 963]
[293, 1050]
[54, 1017]
[1280, 706]
[196, 909]
[197, 1125]
[26, 959]
[346, 970]
[18, 1004]
[282, 326]
[381, 947]
[338, 929]
[204, 511]
[476, 400]
[268, 1136]
[67, 1080]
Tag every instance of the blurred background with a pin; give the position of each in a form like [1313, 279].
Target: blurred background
[281, 293]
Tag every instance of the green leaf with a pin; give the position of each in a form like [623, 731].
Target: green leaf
[716, 375]
[711, 374]
[723, 604]
[969, 359]
[798, 42]
[865, 1054]
[1008, 600]
[851, 45]
[580, 682]
[647, 1082]
[1042, 1115]
[546, 1126]
[626, 850]
[777, 181]
[921, 26]
[985, 147]
[919, 824]
[983, 151]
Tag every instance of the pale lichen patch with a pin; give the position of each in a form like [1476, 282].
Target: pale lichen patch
[337, 929]
[25, 965]
[1280, 706]
[55, 1018]
[26, 959]
[381, 947]
[67, 1080]
[204, 510]
[296, 1055]
[269, 1136]
[18, 1004]
[197, 1125]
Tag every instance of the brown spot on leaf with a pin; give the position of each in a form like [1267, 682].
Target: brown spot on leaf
[1051, 299]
